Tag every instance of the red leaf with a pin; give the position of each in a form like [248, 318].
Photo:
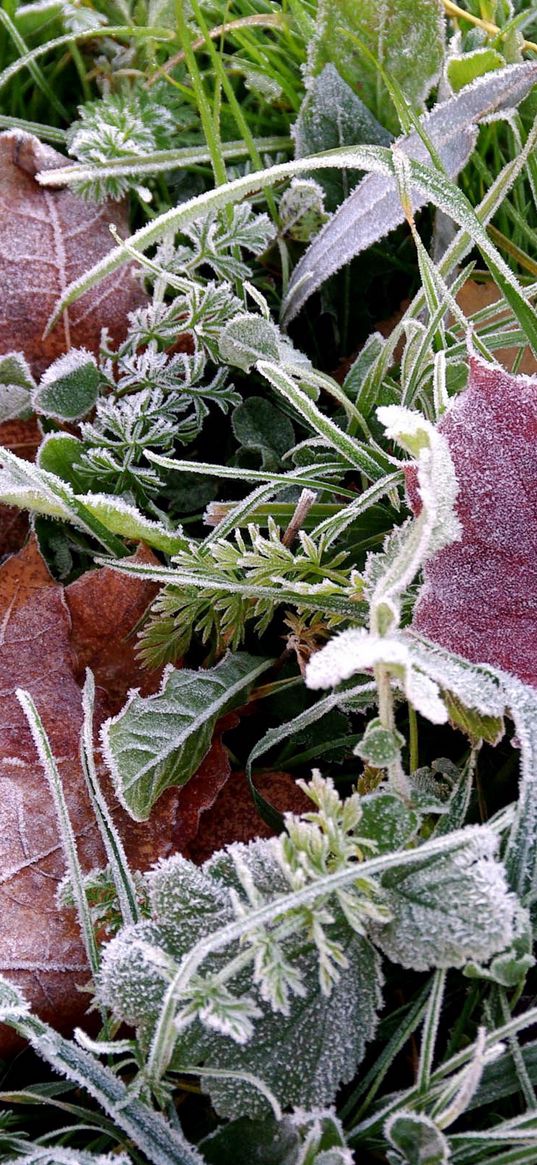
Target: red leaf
[480, 594]
[47, 239]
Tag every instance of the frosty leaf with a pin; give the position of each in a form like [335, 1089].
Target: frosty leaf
[333, 115]
[47, 239]
[462, 70]
[126, 520]
[39, 1155]
[374, 208]
[356, 650]
[49, 636]
[417, 1139]
[301, 209]
[480, 594]
[16, 385]
[387, 821]
[30, 487]
[69, 387]
[476, 725]
[261, 427]
[160, 741]
[294, 1054]
[407, 41]
[247, 339]
[448, 910]
[298, 1057]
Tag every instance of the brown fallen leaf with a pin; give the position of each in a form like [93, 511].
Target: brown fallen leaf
[234, 817]
[47, 239]
[200, 793]
[23, 438]
[40, 947]
[105, 609]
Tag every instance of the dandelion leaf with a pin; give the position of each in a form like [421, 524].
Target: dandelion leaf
[374, 207]
[159, 741]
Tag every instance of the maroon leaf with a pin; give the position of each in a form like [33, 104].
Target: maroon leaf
[47, 239]
[480, 594]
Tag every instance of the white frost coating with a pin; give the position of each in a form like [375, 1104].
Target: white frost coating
[405, 551]
[122, 518]
[65, 365]
[374, 208]
[31, 488]
[357, 650]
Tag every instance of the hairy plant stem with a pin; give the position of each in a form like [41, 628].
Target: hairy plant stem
[396, 774]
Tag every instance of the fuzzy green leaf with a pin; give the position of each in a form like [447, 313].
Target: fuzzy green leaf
[333, 115]
[16, 386]
[449, 910]
[417, 1139]
[70, 386]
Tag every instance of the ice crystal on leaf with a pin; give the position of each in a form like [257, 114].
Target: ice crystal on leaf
[480, 593]
[239, 948]
[212, 242]
[117, 126]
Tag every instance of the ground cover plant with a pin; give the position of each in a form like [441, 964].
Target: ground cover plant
[268, 681]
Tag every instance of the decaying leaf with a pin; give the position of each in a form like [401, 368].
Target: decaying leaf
[480, 593]
[111, 657]
[234, 817]
[47, 239]
[40, 948]
[23, 438]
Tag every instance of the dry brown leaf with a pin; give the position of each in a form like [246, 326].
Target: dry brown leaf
[47, 239]
[40, 947]
[200, 793]
[234, 817]
[23, 438]
[105, 609]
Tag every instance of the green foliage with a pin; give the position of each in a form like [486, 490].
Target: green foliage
[261, 972]
[408, 43]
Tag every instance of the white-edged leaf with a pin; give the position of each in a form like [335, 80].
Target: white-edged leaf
[449, 910]
[27, 486]
[158, 741]
[16, 386]
[333, 115]
[70, 386]
[417, 1139]
[299, 1056]
[374, 208]
[120, 517]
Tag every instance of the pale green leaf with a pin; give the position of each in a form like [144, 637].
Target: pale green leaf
[70, 386]
[126, 520]
[449, 910]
